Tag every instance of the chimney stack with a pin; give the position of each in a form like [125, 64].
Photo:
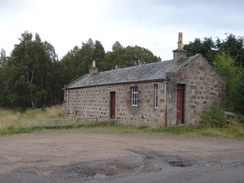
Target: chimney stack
[93, 63]
[180, 40]
[93, 69]
[179, 52]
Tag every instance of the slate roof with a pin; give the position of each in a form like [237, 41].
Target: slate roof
[145, 72]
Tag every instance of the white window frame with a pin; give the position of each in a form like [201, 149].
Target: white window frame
[155, 96]
[68, 97]
[134, 96]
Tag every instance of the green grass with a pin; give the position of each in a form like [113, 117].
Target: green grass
[235, 131]
[14, 122]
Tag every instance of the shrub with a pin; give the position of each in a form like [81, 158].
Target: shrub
[238, 96]
[225, 65]
[240, 118]
[213, 116]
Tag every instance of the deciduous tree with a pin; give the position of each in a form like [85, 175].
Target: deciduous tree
[27, 72]
[225, 65]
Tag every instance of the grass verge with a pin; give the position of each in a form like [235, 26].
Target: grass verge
[12, 122]
[234, 131]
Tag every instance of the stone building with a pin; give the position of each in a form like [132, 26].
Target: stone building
[157, 94]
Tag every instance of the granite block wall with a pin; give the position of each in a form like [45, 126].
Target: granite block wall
[203, 85]
[94, 102]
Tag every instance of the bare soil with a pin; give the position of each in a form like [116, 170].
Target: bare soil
[76, 156]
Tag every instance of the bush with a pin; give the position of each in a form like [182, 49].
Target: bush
[213, 116]
[225, 65]
[238, 96]
[240, 118]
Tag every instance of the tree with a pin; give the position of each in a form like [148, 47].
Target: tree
[3, 58]
[27, 72]
[3, 61]
[209, 49]
[79, 60]
[225, 65]
[234, 46]
[98, 53]
[206, 47]
[137, 55]
[121, 57]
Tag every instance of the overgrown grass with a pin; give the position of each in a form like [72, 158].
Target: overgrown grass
[11, 122]
[20, 118]
[213, 116]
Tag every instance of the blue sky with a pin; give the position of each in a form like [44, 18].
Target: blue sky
[152, 24]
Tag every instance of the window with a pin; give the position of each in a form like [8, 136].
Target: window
[68, 97]
[134, 95]
[156, 95]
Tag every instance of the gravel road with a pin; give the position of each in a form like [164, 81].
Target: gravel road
[57, 156]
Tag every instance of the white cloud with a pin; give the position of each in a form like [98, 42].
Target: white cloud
[153, 24]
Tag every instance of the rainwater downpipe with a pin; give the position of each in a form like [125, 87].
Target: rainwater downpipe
[165, 111]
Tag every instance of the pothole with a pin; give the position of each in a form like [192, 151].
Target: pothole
[174, 161]
[89, 174]
[180, 163]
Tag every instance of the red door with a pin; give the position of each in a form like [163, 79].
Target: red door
[180, 104]
[112, 105]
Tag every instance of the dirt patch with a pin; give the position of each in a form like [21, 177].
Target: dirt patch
[71, 155]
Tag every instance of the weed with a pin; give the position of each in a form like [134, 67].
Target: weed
[213, 116]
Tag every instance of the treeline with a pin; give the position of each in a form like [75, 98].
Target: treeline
[32, 76]
[227, 57]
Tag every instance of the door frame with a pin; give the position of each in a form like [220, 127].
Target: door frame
[180, 104]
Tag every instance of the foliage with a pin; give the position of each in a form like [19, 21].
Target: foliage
[209, 48]
[238, 96]
[121, 57]
[225, 65]
[79, 60]
[228, 58]
[3, 58]
[240, 118]
[26, 73]
[34, 77]
[206, 47]
[213, 116]
[234, 46]
[13, 121]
